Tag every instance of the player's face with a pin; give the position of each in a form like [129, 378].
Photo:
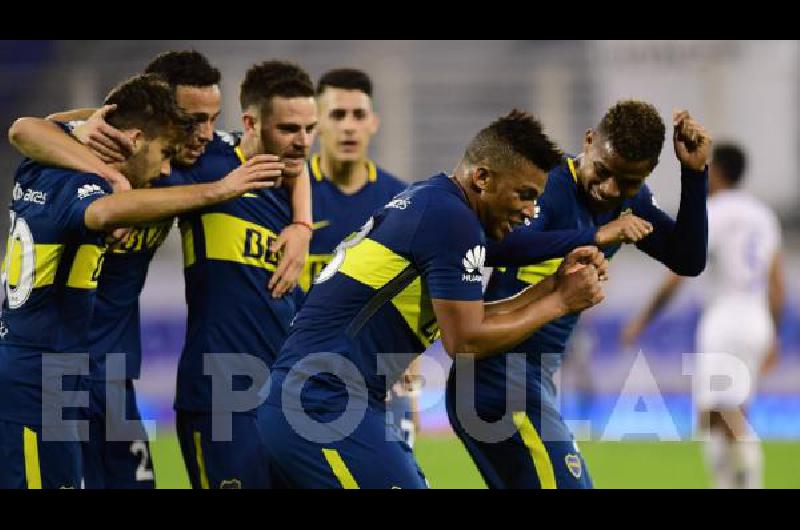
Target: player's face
[203, 104]
[288, 131]
[346, 124]
[509, 197]
[607, 178]
[151, 159]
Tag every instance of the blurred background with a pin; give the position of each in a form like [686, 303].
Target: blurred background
[432, 96]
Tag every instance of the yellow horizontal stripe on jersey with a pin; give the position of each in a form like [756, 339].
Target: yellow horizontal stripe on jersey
[339, 469]
[372, 264]
[314, 264]
[228, 238]
[417, 310]
[533, 274]
[539, 454]
[187, 243]
[46, 258]
[30, 450]
[144, 238]
[86, 267]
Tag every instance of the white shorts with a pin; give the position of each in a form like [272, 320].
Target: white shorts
[733, 338]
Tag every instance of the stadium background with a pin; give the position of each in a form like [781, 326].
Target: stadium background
[432, 96]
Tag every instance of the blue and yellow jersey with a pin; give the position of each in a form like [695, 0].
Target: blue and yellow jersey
[49, 274]
[375, 295]
[337, 215]
[227, 266]
[115, 323]
[563, 209]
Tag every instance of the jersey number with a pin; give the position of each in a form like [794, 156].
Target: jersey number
[19, 235]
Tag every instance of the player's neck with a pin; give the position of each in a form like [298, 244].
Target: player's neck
[349, 176]
[249, 146]
[463, 180]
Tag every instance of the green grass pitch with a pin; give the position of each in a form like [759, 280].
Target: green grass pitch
[612, 464]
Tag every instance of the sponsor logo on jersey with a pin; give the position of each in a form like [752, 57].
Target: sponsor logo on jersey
[28, 195]
[573, 462]
[399, 203]
[87, 190]
[473, 262]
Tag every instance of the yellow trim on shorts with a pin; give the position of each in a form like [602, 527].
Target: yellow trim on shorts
[30, 447]
[201, 463]
[541, 459]
[339, 469]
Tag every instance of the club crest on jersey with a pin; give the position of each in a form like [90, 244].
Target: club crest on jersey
[573, 462]
[231, 484]
[473, 262]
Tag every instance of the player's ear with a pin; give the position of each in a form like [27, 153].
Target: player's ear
[248, 121]
[136, 138]
[375, 125]
[588, 139]
[480, 178]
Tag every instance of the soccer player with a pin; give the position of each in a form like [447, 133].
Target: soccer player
[741, 317]
[413, 269]
[54, 256]
[115, 326]
[597, 197]
[347, 188]
[229, 256]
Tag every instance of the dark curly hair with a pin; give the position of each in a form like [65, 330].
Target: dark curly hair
[274, 78]
[635, 130]
[518, 135]
[188, 67]
[147, 102]
[347, 79]
[730, 158]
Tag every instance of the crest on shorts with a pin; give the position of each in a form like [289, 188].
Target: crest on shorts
[573, 462]
[231, 484]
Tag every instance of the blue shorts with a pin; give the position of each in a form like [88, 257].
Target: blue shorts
[539, 451]
[115, 457]
[372, 456]
[29, 461]
[232, 460]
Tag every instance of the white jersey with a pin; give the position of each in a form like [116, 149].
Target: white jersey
[736, 328]
[743, 236]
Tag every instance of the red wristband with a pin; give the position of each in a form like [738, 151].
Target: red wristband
[303, 223]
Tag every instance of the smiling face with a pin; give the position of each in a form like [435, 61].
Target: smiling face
[508, 196]
[203, 105]
[287, 129]
[606, 178]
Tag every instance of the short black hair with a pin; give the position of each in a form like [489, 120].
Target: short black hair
[511, 137]
[731, 159]
[274, 78]
[188, 67]
[346, 79]
[147, 102]
[635, 130]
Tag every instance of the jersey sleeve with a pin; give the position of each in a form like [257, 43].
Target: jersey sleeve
[79, 191]
[449, 249]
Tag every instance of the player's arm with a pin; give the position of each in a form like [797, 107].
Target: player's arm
[72, 115]
[776, 298]
[665, 293]
[469, 329]
[47, 143]
[294, 240]
[133, 207]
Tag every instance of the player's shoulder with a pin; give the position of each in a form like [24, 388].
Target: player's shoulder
[224, 142]
[388, 181]
[33, 179]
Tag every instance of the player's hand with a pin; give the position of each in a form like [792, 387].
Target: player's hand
[293, 242]
[580, 289]
[581, 257]
[628, 228]
[631, 332]
[108, 143]
[692, 141]
[118, 237]
[259, 172]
